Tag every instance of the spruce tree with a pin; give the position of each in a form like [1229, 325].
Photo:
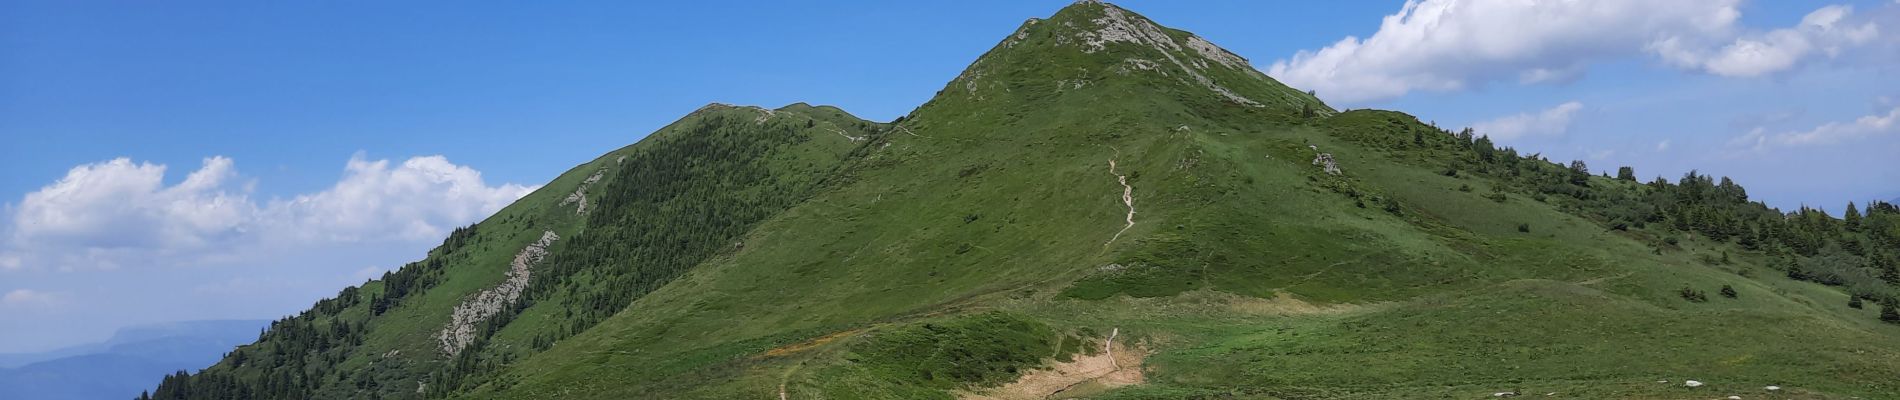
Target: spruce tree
[1852, 218]
[1487, 152]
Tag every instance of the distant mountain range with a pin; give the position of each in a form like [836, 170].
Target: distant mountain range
[133, 360]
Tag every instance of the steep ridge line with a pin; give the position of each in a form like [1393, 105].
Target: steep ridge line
[1128, 198]
[1115, 25]
[460, 331]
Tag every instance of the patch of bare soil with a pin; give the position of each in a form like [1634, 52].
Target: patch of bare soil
[1116, 366]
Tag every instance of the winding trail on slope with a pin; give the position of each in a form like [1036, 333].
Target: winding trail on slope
[1082, 375]
[1128, 198]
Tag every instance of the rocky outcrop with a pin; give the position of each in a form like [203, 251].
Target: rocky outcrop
[469, 315]
[579, 197]
[1118, 26]
[1325, 161]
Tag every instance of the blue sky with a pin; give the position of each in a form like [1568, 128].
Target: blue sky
[333, 140]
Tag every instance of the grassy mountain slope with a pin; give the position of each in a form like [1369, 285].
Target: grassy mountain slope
[706, 177]
[981, 247]
[1248, 271]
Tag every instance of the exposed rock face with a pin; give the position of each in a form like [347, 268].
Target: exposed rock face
[1325, 161]
[470, 314]
[1118, 26]
[579, 196]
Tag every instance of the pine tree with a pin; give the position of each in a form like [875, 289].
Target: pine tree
[1852, 218]
[1889, 271]
[1487, 152]
[1579, 173]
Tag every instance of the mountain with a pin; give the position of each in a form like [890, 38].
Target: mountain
[1100, 207]
[131, 361]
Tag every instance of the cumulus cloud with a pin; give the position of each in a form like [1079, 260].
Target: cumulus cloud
[107, 214]
[422, 198]
[119, 204]
[1828, 133]
[1448, 45]
[1554, 121]
[29, 299]
[1824, 32]
[1441, 45]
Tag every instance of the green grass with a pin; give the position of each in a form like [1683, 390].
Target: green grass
[1002, 201]
[969, 242]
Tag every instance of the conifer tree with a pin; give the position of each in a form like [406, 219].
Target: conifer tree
[1852, 218]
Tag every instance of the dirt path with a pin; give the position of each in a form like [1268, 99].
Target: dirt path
[783, 381]
[1128, 198]
[1083, 376]
[840, 132]
[1604, 279]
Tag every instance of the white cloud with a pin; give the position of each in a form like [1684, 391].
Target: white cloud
[1449, 45]
[1662, 145]
[423, 198]
[1829, 133]
[118, 204]
[1825, 32]
[29, 299]
[1442, 45]
[1549, 122]
[117, 212]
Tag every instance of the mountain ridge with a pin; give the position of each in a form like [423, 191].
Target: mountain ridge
[1100, 207]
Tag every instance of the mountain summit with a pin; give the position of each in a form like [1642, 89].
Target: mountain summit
[1100, 207]
[1096, 43]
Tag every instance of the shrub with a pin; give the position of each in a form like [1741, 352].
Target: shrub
[1888, 314]
[982, 349]
[1728, 292]
[1523, 227]
[1464, 188]
[1854, 302]
[1692, 295]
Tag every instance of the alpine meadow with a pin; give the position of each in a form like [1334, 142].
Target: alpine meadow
[1102, 207]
